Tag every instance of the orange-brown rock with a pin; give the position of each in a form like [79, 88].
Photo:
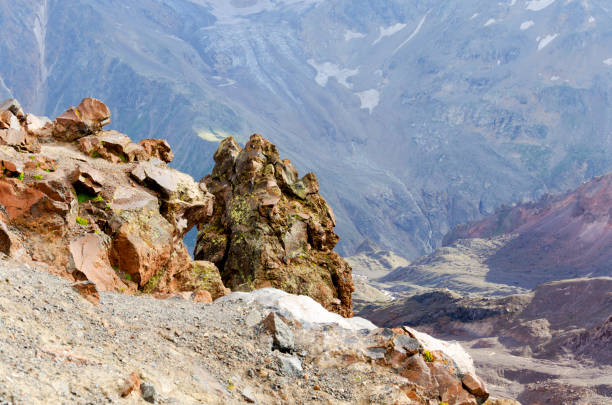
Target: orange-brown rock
[157, 148]
[475, 386]
[142, 245]
[87, 118]
[131, 384]
[88, 290]
[202, 296]
[90, 257]
[271, 229]
[67, 211]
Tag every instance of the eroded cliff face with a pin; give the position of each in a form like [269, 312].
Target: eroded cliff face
[90, 204]
[270, 228]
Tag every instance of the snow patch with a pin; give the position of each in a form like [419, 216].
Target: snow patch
[546, 40]
[608, 62]
[537, 5]
[301, 308]
[369, 99]
[387, 32]
[489, 22]
[327, 69]
[348, 35]
[452, 349]
[526, 25]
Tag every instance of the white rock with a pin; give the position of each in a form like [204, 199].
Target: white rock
[301, 307]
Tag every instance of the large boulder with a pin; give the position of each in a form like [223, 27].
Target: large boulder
[90, 258]
[270, 228]
[87, 118]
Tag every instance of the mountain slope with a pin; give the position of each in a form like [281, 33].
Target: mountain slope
[419, 115]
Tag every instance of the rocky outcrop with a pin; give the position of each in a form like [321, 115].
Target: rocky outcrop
[270, 228]
[77, 206]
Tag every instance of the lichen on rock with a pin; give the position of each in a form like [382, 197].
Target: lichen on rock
[269, 228]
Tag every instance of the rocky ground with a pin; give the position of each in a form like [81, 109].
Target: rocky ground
[537, 347]
[57, 347]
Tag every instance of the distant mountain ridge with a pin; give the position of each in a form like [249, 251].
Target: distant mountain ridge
[419, 115]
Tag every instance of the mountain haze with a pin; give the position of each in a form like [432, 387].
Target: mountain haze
[416, 115]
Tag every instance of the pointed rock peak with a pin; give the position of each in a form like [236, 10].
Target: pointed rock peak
[270, 228]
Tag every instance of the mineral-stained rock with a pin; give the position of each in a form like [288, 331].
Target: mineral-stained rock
[204, 276]
[142, 244]
[269, 228]
[87, 118]
[89, 254]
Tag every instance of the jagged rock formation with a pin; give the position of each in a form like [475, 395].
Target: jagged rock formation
[270, 228]
[89, 204]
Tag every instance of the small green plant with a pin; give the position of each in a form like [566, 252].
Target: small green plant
[81, 221]
[20, 177]
[95, 154]
[82, 197]
[123, 158]
[128, 277]
[230, 385]
[428, 356]
[38, 177]
[48, 170]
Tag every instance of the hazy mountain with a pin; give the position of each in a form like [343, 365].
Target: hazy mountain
[416, 115]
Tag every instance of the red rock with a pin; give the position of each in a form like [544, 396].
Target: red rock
[475, 386]
[202, 296]
[131, 384]
[449, 386]
[87, 118]
[5, 239]
[157, 148]
[89, 255]
[16, 199]
[87, 180]
[88, 290]
[112, 146]
[142, 245]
